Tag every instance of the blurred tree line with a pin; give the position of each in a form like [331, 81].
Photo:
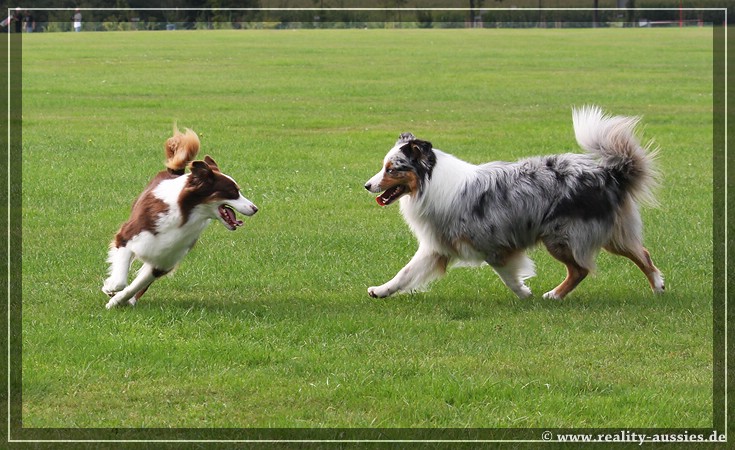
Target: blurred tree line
[140, 13]
[207, 14]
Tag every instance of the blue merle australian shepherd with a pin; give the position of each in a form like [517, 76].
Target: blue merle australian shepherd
[574, 203]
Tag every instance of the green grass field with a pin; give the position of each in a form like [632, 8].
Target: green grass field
[271, 326]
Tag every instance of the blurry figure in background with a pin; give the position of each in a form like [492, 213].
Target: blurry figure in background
[77, 20]
[18, 19]
[29, 22]
[13, 17]
[6, 21]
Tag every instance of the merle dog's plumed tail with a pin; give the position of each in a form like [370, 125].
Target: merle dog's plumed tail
[613, 139]
[180, 149]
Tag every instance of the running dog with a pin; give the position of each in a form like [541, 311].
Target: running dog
[574, 203]
[168, 217]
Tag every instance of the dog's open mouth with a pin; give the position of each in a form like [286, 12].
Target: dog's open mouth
[391, 195]
[228, 217]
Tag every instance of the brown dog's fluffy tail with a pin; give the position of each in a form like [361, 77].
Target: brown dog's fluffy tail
[181, 148]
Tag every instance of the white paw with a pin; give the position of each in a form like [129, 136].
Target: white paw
[523, 292]
[552, 295]
[658, 286]
[378, 292]
[114, 301]
[111, 287]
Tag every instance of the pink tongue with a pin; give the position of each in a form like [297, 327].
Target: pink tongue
[230, 216]
[380, 200]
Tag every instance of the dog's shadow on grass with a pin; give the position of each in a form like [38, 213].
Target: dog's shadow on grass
[351, 305]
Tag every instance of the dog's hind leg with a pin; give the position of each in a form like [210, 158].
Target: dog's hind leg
[513, 270]
[157, 273]
[575, 271]
[120, 259]
[575, 274]
[626, 241]
[642, 259]
[137, 288]
[424, 267]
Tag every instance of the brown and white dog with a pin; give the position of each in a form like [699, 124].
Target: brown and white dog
[168, 217]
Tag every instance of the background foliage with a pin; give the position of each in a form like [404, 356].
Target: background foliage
[102, 16]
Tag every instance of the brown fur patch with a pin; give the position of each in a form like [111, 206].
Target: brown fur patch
[407, 178]
[146, 211]
[412, 181]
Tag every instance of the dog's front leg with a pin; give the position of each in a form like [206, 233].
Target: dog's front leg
[119, 259]
[424, 267]
[145, 277]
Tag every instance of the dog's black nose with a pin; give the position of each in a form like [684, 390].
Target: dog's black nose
[368, 186]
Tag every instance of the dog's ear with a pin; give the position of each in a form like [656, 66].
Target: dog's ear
[201, 171]
[210, 162]
[422, 152]
[420, 149]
